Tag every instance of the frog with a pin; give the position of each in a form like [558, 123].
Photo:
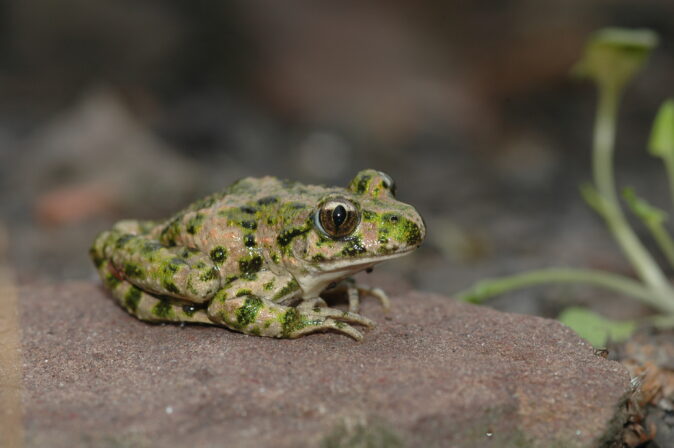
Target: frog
[262, 256]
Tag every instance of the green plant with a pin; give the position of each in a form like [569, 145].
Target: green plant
[611, 59]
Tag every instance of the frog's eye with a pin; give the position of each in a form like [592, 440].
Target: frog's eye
[337, 217]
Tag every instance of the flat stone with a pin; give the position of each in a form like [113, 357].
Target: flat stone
[433, 373]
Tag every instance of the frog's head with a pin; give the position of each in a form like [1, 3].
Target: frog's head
[354, 228]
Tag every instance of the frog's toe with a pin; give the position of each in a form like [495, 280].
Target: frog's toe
[328, 325]
[377, 293]
[342, 316]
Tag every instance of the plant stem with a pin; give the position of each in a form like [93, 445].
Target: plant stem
[492, 287]
[604, 138]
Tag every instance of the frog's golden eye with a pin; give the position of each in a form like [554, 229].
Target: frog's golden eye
[337, 217]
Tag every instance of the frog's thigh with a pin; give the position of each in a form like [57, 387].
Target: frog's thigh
[147, 307]
[172, 271]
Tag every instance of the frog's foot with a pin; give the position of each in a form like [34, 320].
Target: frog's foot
[354, 292]
[322, 317]
[328, 325]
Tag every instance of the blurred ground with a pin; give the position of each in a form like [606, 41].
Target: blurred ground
[109, 112]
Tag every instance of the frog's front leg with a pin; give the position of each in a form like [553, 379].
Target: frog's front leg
[354, 291]
[248, 308]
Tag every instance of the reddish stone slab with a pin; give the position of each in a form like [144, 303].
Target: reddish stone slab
[435, 372]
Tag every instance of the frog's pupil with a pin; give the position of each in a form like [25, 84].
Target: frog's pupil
[339, 215]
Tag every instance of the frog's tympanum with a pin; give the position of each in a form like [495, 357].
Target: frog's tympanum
[257, 257]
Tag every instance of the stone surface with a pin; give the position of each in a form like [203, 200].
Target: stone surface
[434, 372]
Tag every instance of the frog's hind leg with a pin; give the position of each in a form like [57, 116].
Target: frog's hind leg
[145, 306]
[178, 272]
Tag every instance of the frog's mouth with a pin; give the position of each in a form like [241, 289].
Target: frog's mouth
[349, 265]
[329, 272]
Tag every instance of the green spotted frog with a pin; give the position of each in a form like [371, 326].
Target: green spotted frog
[257, 257]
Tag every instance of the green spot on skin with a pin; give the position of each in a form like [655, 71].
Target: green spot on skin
[170, 287]
[194, 224]
[255, 331]
[291, 321]
[132, 298]
[243, 292]
[268, 286]
[413, 233]
[190, 287]
[318, 258]
[268, 322]
[219, 255]
[249, 276]
[247, 312]
[111, 282]
[267, 200]
[368, 215]
[221, 296]
[290, 287]
[230, 279]
[250, 265]
[339, 324]
[150, 247]
[170, 268]
[406, 232]
[209, 275]
[363, 184]
[168, 234]
[132, 270]
[122, 240]
[355, 247]
[248, 224]
[249, 240]
[98, 260]
[163, 309]
[287, 236]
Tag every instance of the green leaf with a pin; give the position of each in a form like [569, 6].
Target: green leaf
[661, 143]
[612, 56]
[651, 215]
[597, 329]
